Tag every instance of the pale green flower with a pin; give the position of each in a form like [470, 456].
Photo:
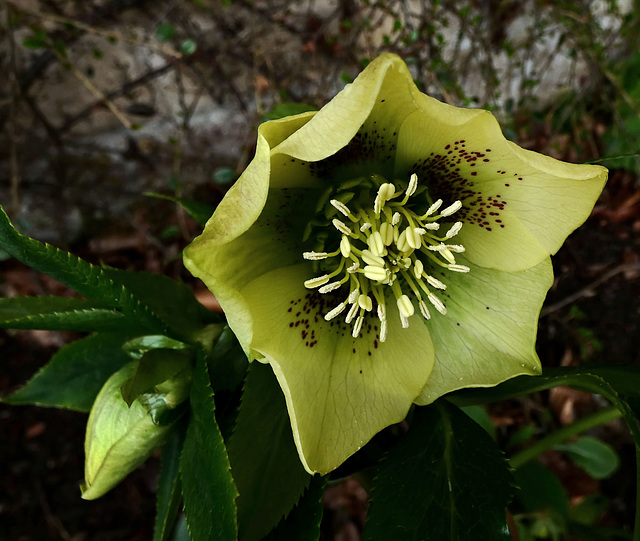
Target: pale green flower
[387, 250]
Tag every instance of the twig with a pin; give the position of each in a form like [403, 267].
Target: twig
[587, 290]
[13, 143]
[95, 91]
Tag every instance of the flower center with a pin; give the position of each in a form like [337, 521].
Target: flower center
[385, 248]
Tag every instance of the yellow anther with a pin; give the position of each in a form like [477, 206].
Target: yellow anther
[405, 306]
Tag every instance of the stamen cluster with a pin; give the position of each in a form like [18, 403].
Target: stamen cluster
[384, 249]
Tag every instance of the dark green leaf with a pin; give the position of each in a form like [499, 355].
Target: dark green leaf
[36, 41]
[539, 489]
[304, 520]
[165, 32]
[228, 363]
[199, 211]
[596, 457]
[74, 376]
[446, 479]
[77, 274]
[169, 493]
[173, 302]
[590, 509]
[285, 109]
[207, 486]
[264, 459]
[155, 367]
[481, 416]
[61, 313]
[188, 47]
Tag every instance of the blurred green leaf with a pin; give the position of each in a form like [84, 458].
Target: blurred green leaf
[37, 41]
[199, 211]
[188, 47]
[540, 488]
[596, 457]
[165, 32]
[76, 373]
[446, 479]
[520, 436]
[264, 459]
[285, 109]
[207, 486]
[224, 176]
[590, 509]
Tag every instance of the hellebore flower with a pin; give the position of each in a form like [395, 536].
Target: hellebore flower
[387, 250]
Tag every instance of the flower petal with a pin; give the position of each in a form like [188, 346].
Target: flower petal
[488, 334]
[226, 257]
[518, 206]
[340, 391]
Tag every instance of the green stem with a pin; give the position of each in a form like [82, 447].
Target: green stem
[563, 434]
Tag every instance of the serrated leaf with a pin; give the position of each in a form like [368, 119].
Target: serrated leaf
[596, 457]
[75, 374]
[61, 313]
[264, 460]
[199, 211]
[207, 486]
[171, 301]
[446, 479]
[303, 522]
[119, 437]
[169, 494]
[75, 273]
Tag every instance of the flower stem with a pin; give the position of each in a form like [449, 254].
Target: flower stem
[559, 436]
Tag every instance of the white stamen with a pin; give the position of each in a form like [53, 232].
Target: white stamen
[395, 219]
[335, 312]
[353, 296]
[404, 321]
[413, 184]
[345, 246]
[358, 326]
[342, 227]
[376, 245]
[373, 272]
[457, 248]
[365, 227]
[432, 226]
[317, 282]
[455, 229]
[433, 207]
[458, 268]
[353, 268]
[405, 306]
[456, 206]
[418, 268]
[364, 301]
[386, 232]
[437, 303]
[352, 313]
[401, 243]
[330, 287]
[339, 205]
[315, 256]
[371, 259]
[382, 312]
[424, 309]
[435, 282]
[383, 330]
[413, 240]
